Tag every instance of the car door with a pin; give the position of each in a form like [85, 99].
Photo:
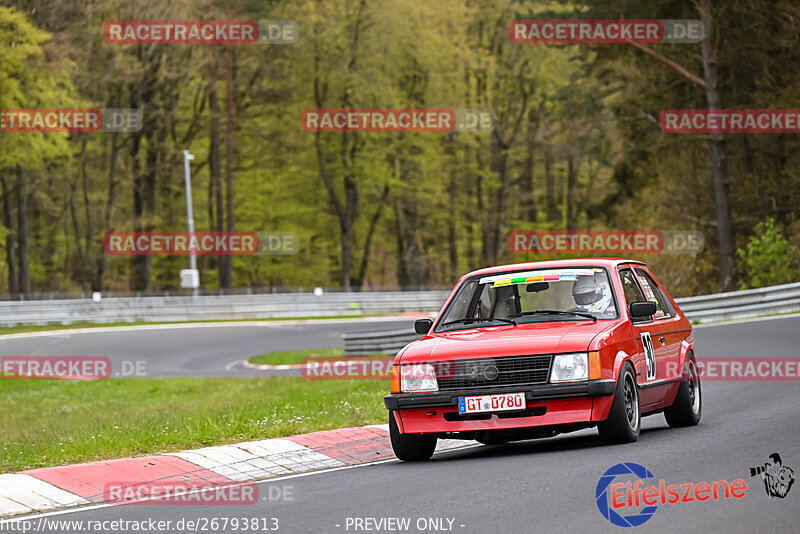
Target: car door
[651, 362]
[673, 331]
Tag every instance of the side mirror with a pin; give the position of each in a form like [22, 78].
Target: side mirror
[421, 326]
[642, 309]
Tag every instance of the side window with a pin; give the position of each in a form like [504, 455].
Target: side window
[459, 307]
[653, 293]
[630, 288]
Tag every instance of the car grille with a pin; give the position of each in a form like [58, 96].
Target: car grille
[488, 372]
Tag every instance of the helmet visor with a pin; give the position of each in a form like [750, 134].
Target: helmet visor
[587, 298]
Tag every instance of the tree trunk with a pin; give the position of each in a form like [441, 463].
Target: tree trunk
[527, 188]
[346, 211]
[719, 166]
[452, 233]
[139, 99]
[373, 224]
[550, 187]
[22, 230]
[412, 270]
[214, 156]
[11, 247]
[112, 171]
[144, 207]
[497, 240]
[230, 126]
[572, 178]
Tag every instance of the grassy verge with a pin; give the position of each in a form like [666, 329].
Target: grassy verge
[46, 423]
[86, 324]
[297, 356]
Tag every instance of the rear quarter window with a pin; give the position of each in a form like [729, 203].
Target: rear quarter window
[653, 293]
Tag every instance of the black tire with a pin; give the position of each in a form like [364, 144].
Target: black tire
[410, 447]
[624, 420]
[688, 405]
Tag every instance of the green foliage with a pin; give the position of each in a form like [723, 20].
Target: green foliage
[58, 422]
[769, 259]
[29, 79]
[452, 198]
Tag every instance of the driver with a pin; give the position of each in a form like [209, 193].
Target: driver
[591, 295]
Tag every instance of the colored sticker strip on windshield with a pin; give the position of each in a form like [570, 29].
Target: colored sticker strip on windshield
[536, 276]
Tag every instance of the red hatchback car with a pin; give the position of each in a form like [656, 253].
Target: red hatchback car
[537, 349]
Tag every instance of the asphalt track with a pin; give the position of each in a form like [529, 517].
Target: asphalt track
[545, 485]
[209, 350]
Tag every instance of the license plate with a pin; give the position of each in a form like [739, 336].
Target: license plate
[492, 403]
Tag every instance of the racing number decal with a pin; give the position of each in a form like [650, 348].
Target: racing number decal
[650, 354]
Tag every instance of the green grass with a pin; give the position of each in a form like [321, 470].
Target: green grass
[46, 423]
[86, 324]
[297, 356]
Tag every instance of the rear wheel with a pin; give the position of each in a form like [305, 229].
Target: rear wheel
[688, 405]
[624, 419]
[410, 447]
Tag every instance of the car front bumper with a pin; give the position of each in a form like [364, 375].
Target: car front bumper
[546, 404]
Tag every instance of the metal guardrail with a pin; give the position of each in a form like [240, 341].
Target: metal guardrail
[42, 312]
[705, 308]
[771, 300]
[387, 342]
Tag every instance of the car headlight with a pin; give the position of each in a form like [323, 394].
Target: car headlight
[570, 367]
[418, 377]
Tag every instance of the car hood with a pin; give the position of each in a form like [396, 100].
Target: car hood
[498, 341]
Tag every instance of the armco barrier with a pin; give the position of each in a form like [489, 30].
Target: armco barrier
[39, 312]
[742, 304]
[705, 308]
[388, 342]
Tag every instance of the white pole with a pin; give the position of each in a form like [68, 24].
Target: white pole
[187, 157]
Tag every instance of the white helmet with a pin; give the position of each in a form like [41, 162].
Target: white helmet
[593, 295]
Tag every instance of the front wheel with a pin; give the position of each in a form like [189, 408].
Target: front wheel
[410, 447]
[688, 405]
[624, 419]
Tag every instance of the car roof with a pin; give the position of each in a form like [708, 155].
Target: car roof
[610, 263]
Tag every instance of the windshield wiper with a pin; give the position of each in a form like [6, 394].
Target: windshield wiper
[479, 319]
[557, 312]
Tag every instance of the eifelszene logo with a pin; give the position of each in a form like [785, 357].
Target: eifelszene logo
[778, 478]
[614, 499]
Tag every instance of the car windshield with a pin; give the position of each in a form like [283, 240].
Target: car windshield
[568, 294]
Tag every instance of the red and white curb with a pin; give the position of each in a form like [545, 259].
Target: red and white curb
[55, 488]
